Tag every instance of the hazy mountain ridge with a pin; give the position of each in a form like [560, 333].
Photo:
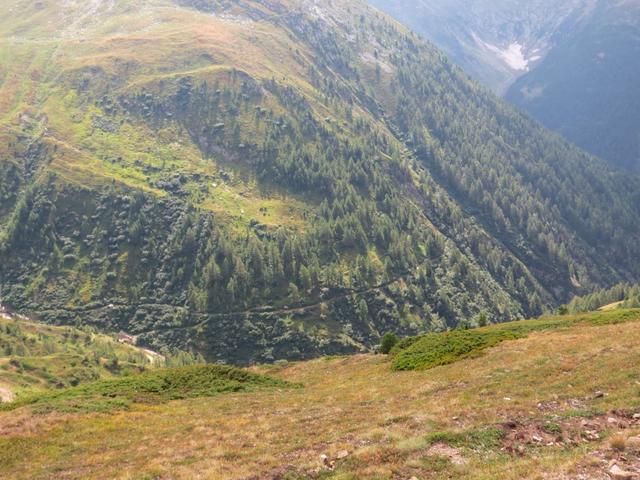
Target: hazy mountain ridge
[586, 87]
[571, 64]
[495, 42]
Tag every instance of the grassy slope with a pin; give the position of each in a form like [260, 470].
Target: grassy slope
[452, 421]
[432, 350]
[140, 49]
[35, 357]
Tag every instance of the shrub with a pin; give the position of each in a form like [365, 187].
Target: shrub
[618, 443]
[389, 340]
[436, 349]
[154, 386]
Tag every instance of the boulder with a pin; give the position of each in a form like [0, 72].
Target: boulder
[617, 473]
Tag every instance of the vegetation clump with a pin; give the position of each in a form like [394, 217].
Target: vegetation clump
[478, 440]
[389, 340]
[155, 386]
[436, 349]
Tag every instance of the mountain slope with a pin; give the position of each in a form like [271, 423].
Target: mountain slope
[586, 88]
[496, 42]
[571, 64]
[257, 180]
[38, 357]
[523, 409]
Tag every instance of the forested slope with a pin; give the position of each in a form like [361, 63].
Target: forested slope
[572, 64]
[257, 180]
[586, 88]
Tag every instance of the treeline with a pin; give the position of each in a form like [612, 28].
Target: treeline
[628, 295]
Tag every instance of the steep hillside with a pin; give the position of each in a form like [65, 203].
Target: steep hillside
[560, 403]
[257, 180]
[586, 88]
[572, 64]
[36, 357]
[497, 41]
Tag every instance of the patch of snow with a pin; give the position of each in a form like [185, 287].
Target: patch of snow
[512, 55]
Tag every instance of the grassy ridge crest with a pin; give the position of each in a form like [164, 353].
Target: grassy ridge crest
[436, 349]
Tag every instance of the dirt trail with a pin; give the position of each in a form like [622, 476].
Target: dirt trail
[211, 314]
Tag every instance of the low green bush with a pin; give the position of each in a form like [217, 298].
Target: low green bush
[389, 340]
[154, 386]
[435, 349]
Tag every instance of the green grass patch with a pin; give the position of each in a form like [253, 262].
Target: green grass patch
[155, 386]
[435, 349]
[552, 428]
[477, 440]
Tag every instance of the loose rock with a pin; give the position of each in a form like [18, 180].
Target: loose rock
[617, 473]
[342, 454]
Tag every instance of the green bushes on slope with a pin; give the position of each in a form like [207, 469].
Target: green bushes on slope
[435, 349]
[154, 386]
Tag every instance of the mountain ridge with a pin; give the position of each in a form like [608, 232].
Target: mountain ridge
[248, 180]
[570, 64]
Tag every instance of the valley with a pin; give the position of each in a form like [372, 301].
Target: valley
[571, 64]
[293, 239]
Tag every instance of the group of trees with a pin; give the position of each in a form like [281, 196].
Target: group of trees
[627, 294]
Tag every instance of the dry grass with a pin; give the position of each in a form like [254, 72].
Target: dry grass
[382, 418]
[618, 443]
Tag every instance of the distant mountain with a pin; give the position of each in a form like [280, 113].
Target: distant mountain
[572, 64]
[587, 86]
[255, 180]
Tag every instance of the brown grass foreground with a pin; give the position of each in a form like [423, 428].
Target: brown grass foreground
[477, 418]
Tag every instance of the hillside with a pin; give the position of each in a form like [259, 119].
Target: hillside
[560, 402]
[622, 295]
[36, 357]
[496, 42]
[572, 64]
[586, 88]
[257, 180]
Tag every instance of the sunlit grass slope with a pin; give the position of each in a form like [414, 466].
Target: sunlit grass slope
[35, 357]
[128, 48]
[556, 403]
